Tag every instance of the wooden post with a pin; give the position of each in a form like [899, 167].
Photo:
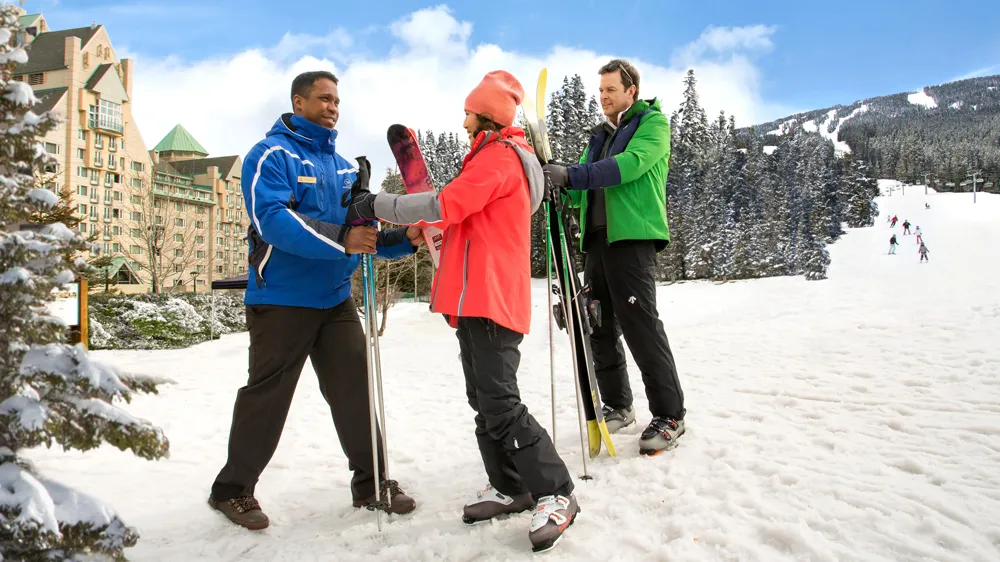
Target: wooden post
[84, 339]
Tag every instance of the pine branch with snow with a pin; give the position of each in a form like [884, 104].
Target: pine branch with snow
[50, 392]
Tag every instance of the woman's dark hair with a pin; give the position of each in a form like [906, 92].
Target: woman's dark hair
[485, 123]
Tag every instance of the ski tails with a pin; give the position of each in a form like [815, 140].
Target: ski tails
[416, 178]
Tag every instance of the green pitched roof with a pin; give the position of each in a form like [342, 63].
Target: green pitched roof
[179, 140]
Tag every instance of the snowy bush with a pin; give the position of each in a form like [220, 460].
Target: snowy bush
[161, 321]
[50, 392]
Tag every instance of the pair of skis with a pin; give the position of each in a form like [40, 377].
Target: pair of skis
[575, 312]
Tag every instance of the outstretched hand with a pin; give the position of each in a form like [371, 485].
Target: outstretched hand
[415, 235]
[556, 181]
[361, 208]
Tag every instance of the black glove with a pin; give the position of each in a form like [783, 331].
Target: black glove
[556, 180]
[361, 207]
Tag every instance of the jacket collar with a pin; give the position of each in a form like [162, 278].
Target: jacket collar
[307, 132]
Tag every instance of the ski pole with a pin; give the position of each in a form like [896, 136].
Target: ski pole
[568, 321]
[552, 349]
[378, 375]
[369, 306]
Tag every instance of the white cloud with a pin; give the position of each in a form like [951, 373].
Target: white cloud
[726, 40]
[228, 103]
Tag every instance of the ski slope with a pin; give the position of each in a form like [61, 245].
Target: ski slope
[856, 418]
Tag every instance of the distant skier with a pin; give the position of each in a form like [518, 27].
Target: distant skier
[888, 219]
[894, 219]
[920, 238]
[906, 227]
[923, 252]
[486, 215]
[927, 205]
[892, 245]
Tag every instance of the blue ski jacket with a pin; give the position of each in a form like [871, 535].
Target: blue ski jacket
[296, 189]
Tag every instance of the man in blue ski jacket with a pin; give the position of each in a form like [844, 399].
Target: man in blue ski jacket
[298, 300]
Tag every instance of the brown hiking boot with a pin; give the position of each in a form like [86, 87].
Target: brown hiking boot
[244, 511]
[400, 503]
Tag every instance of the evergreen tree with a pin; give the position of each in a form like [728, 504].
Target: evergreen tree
[50, 392]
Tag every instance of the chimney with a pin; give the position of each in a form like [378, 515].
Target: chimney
[126, 66]
[154, 155]
[71, 52]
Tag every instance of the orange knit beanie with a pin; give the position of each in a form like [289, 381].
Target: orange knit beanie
[496, 97]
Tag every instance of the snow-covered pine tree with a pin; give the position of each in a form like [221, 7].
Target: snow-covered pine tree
[50, 392]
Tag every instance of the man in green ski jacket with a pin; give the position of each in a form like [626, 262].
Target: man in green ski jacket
[620, 188]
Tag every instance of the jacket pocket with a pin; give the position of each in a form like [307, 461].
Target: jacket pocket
[260, 255]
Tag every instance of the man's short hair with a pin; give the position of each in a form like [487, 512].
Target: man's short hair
[303, 83]
[628, 73]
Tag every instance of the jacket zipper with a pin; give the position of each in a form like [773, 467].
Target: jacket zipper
[263, 264]
[465, 276]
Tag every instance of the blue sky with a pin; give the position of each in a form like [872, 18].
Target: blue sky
[823, 53]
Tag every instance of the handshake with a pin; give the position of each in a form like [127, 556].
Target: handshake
[359, 235]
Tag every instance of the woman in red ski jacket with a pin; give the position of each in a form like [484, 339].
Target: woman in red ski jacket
[483, 286]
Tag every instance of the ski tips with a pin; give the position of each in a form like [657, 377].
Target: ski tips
[397, 133]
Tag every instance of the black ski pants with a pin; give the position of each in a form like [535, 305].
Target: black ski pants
[517, 452]
[281, 338]
[621, 278]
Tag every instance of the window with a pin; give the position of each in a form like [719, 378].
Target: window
[199, 224]
[136, 232]
[199, 239]
[51, 148]
[135, 249]
[116, 247]
[83, 209]
[178, 222]
[112, 159]
[81, 134]
[137, 217]
[178, 253]
[137, 166]
[110, 116]
[218, 241]
[218, 255]
[199, 254]
[178, 238]
[83, 227]
[178, 268]
[81, 154]
[81, 172]
[178, 207]
[36, 79]
[81, 190]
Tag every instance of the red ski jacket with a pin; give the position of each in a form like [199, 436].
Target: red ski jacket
[485, 214]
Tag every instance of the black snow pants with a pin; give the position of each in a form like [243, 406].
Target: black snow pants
[517, 452]
[621, 277]
[281, 338]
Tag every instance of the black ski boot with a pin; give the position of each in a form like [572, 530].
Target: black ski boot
[489, 503]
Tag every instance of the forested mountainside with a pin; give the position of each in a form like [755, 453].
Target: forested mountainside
[943, 131]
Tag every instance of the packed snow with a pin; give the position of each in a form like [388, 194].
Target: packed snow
[839, 146]
[855, 418]
[922, 98]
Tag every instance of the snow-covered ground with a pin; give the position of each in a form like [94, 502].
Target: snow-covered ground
[856, 418]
